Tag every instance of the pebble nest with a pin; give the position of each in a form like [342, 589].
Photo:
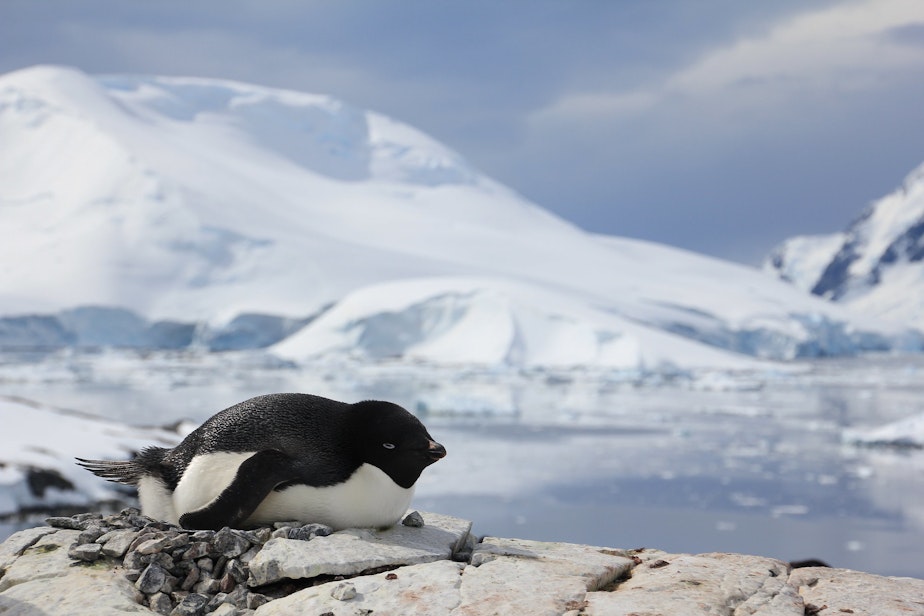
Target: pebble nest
[182, 572]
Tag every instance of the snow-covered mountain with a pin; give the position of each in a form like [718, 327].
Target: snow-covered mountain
[156, 211]
[875, 266]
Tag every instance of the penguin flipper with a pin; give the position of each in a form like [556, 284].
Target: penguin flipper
[255, 479]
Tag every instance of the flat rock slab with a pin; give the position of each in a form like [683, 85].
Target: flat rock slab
[17, 543]
[509, 575]
[705, 584]
[842, 591]
[430, 589]
[44, 580]
[350, 552]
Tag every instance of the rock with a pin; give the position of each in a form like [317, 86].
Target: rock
[349, 552]
[89, 552]
[46, 558]
[152, 579]
[344, 591]
[862, 594]
[160, 603]
[424, 590]
[230, 543]
[507, 572]
[152, 546]
[191, 605]
[16, 544]
[117, 542]
[700, 585]
[413, 519]
[37, 576]
[91, 534]
[225, 609]
[199, 549]
[43, 580]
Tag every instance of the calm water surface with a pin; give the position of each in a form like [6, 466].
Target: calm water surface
[754, 463]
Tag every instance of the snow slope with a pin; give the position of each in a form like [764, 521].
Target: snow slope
[194, 203]
[37, 467]
[876, 266]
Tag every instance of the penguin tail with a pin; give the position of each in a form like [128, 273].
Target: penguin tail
[128, 472]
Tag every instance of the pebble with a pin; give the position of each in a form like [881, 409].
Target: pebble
[343, 591]
[151, 579]
[160, 603]
[88, 552]
[413, 519]
[191, 605]
[117, 542]
[178, 572]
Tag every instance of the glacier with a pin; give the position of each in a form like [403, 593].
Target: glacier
[187, 213]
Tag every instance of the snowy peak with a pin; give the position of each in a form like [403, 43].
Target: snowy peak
[876, 265]
[183, 211]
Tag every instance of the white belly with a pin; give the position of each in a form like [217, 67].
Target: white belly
[369, 498]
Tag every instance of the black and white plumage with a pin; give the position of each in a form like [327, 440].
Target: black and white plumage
[284, 457]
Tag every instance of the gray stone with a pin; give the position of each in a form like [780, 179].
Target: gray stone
[230, 543]
[863, 594]
[225, 609]
[192, 605]
[208, 586]
[88, 552]
[352, 551]
[160, 603]
[236, 570]
[217, 600]
[413, 519]
[91, 534]
[255, 600]
[152, 546]
[152, 579]
[67, 523]
[191, 578]
[196, 550]
[430, 589]
[117, 542]
[344, 591]
[248, 556]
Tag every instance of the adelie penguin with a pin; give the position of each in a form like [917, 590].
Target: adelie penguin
[284, 457]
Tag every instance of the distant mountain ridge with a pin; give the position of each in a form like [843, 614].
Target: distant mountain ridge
[167, 212]
[875, 266]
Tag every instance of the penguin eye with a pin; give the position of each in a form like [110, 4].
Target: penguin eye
[388, 445]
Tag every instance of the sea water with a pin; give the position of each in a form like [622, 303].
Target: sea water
[752, 462]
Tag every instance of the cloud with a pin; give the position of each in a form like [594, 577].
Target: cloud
[846, 47]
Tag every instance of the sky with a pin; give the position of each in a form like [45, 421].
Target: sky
[718, 126]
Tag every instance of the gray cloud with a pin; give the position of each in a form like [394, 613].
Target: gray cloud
[601, 111]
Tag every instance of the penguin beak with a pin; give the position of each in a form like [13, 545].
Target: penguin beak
[436, 451]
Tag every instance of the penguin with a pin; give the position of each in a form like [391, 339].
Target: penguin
[284, 457]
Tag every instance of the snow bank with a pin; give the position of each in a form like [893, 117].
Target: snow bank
[37, 449]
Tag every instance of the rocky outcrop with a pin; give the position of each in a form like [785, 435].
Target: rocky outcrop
[431, 569]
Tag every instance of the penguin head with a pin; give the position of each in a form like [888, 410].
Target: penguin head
[392, 439]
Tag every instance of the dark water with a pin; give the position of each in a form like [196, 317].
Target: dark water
[754, 463]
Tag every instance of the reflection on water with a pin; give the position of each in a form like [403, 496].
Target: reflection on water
[696, 463]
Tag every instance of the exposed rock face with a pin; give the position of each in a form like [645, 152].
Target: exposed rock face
[435, 569]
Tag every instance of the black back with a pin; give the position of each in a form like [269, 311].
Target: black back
[327, 440]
